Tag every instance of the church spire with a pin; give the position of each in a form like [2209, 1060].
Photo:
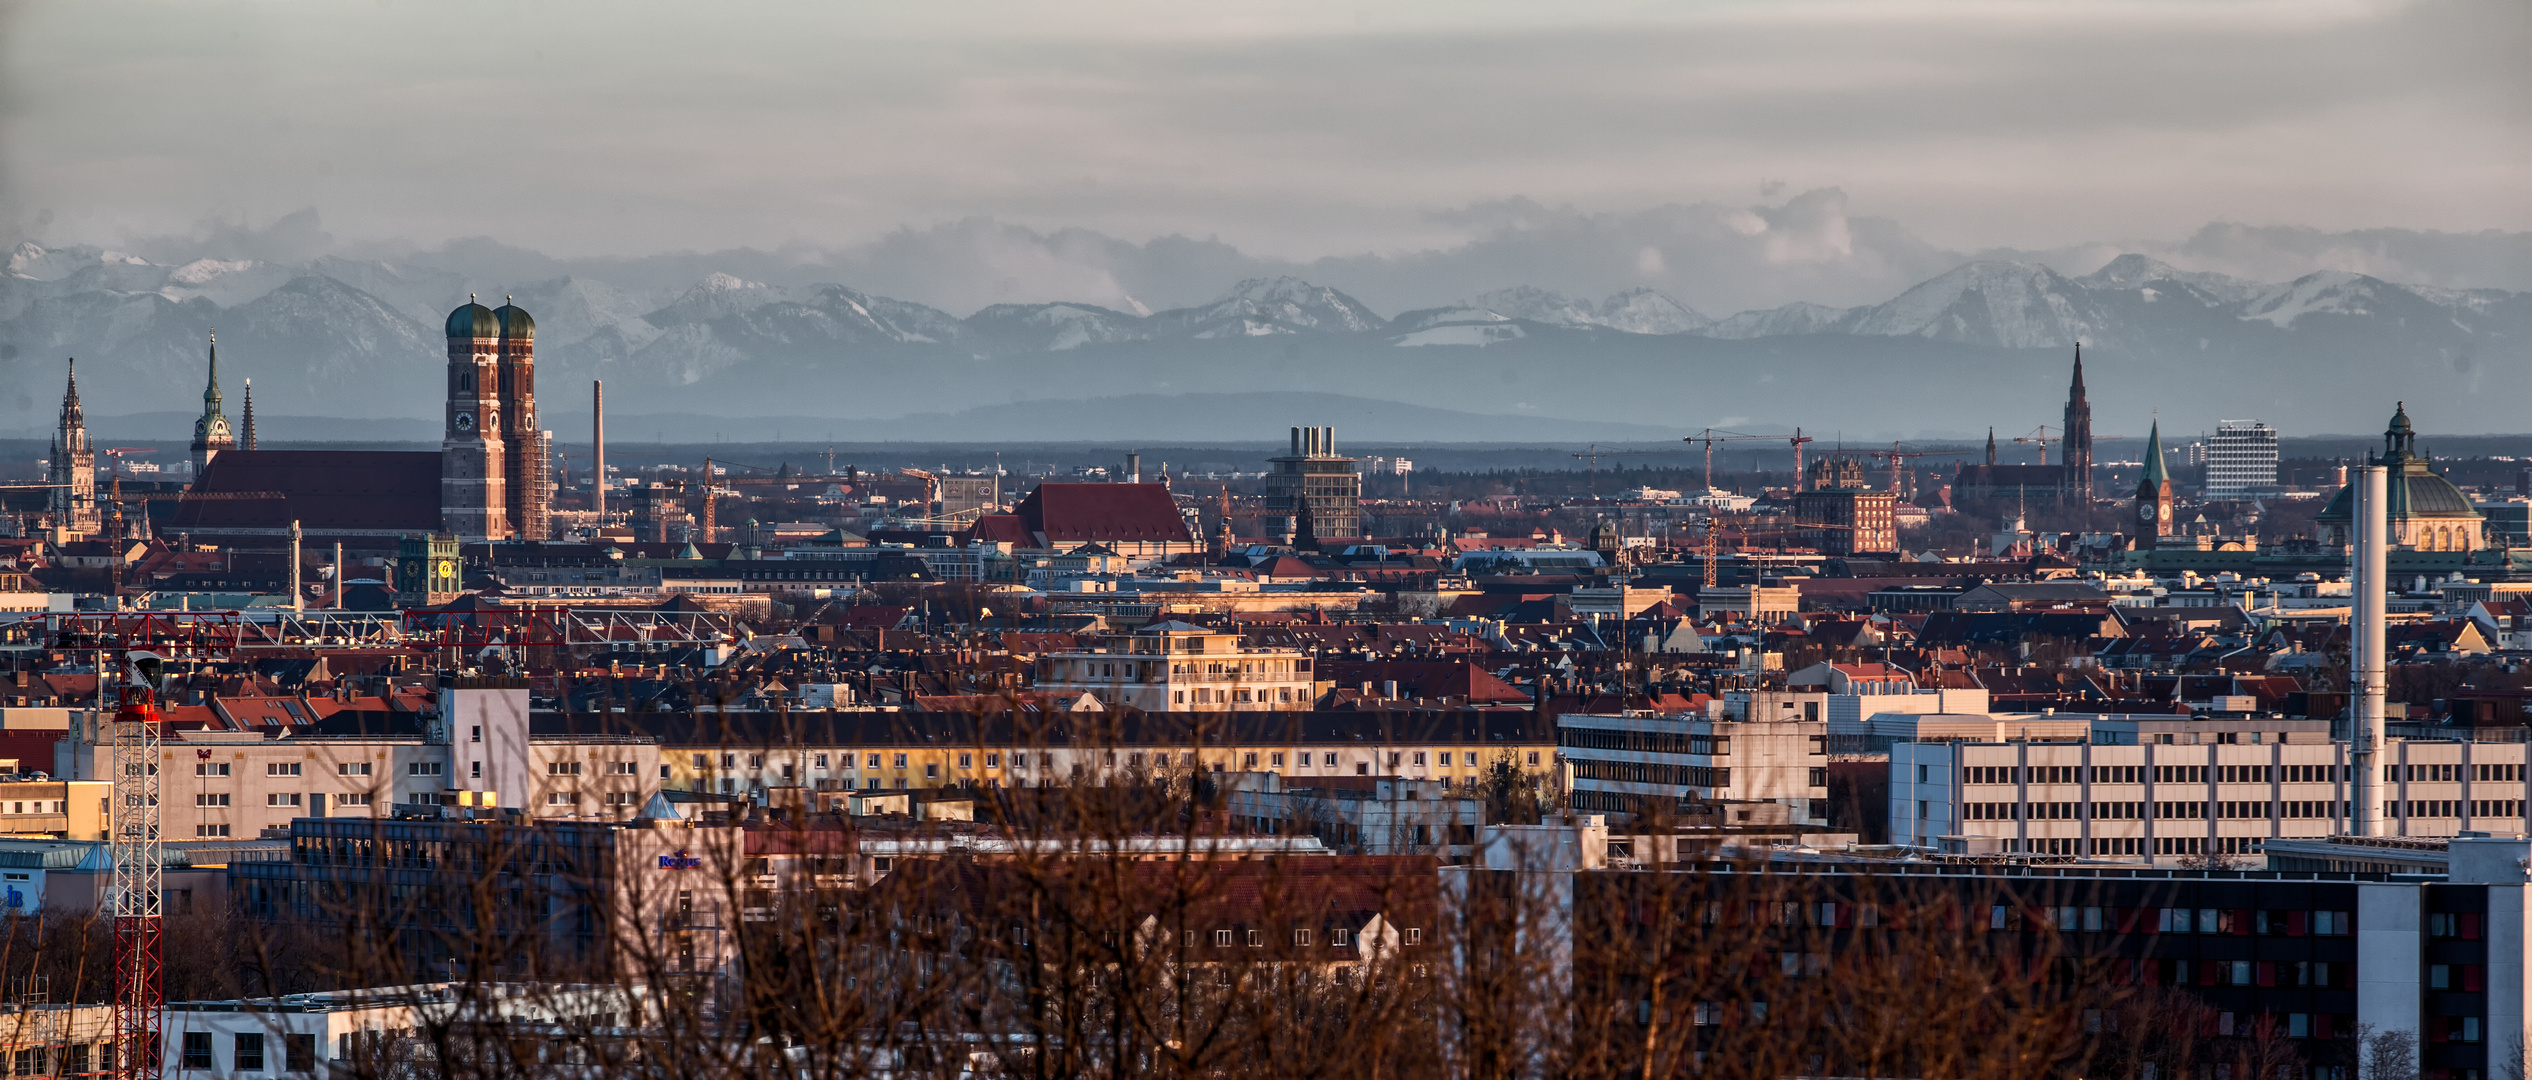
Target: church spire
[71, 471]
[211, 433]
[72, 415]
[1991, 444]
[2077, 434]
[249, 442]
[211, 386]
[2155, 472]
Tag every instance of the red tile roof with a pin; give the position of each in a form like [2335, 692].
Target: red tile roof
[381, 491]
[1000, 529]
[1083, 513]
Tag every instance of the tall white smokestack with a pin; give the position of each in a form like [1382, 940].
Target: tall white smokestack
[598, 436]
[2365, 646]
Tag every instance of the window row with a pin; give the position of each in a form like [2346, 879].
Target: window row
[246, 1052]
[1021, 760]
[209, 800]
[1650, 742]
[2307, 974]
[1641, 772]
[2163, 774]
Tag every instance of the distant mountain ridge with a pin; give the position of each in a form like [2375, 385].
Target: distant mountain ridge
[1194, 418]
[338, 336]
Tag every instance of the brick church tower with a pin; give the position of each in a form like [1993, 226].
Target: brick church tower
[526, 483]
[474, 464]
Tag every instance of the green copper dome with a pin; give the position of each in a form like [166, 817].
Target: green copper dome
[473, 320]
[515, 323]
[2413, 489]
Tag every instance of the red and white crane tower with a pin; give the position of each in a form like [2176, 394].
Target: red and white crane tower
[140, 987]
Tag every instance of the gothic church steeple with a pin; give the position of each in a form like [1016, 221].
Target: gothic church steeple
[2078, 434]
[211, 432]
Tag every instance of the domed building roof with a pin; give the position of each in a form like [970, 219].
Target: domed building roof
[473, 320]
[514, 320]
[2413, 489]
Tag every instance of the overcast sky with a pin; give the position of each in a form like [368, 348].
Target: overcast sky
[1292, 129]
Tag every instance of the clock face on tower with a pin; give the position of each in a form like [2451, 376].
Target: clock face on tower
[2145, 512]
[465, 421]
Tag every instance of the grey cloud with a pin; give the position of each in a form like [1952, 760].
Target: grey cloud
[1292, 133]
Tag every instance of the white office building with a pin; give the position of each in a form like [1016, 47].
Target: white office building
[2197, 794]
[2242, 460]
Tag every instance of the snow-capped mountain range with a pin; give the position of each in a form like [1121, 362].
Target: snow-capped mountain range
[348, 337]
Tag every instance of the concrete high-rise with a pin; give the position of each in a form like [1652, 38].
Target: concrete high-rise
[1313, 485]
[2242, 460]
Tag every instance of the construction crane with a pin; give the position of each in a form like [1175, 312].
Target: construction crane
[2040, 436]
[140, 987]
[1710, 436]
[1594, 453]
[119, 452]
[1798, 439]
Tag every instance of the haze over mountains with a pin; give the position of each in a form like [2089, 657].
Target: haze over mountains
[1185, 330]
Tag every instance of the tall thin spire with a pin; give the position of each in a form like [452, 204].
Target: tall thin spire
[2155, 472]
[249, 441]
[1991, 444]
[211, 433]
[2077, 435]
[211, 386]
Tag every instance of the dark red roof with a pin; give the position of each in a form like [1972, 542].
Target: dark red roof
[32, 750]
[1084, 513]
[1426, 679]
[375, 491]
[1001, 529]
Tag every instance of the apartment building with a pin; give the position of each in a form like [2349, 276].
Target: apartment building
[383, 1029]
[54, 809]
[829, 754]
[1360, 815]
[1179, 667]
[2165, 802]
[2312, 958]
[474, 748]
[568, 892]
[1650, 763]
